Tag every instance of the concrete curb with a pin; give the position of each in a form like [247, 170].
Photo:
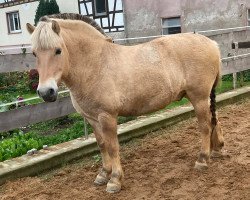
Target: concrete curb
[65, 152]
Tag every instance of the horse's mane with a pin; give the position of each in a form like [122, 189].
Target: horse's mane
[44, 38]
[74, 16]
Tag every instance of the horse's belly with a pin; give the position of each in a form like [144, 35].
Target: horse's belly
[144, 106]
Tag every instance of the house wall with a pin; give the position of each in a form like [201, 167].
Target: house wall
[143, 17]
[27, 14]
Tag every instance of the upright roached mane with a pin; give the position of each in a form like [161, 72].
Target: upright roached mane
[107, 80]
[74, 16]
[46, 38]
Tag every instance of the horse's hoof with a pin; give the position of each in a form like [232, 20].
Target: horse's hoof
[219, 154]
[100, 180]
[200, 166]
[113, 187]
[216, 154]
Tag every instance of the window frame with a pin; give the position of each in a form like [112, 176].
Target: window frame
[9, 21]
[94, 10]
[166, 27]
[248, 17]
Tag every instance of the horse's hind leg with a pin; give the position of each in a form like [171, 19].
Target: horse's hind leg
[202, 111]
[217, 141]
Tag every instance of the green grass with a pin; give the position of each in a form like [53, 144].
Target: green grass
[182, 102]
[222, 87]
[225, 86]
[19, 143]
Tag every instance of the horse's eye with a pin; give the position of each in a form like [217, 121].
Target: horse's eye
[34, 54]
[58, 51]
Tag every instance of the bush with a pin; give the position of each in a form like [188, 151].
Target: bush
[20, 143]
[14, 84]
[33, 79]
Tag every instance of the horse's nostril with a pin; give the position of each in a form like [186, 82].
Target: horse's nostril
[222, 144]
[51, 91]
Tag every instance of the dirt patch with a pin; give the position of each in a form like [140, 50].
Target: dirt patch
[159, 166]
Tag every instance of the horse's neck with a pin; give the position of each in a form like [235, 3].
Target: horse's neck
[84, 59]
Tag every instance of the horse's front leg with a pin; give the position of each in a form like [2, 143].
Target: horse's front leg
[103, 177]
[109, 132]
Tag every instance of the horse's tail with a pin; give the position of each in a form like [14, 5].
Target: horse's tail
[213, 101]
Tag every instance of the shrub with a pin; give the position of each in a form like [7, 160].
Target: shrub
[18, 145]
[33, 79]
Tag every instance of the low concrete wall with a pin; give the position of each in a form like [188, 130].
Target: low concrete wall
[32, 114]
[65, 152]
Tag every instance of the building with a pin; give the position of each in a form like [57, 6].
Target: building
[130, 18]
[109, 14]
[155, 17]
[14, 15]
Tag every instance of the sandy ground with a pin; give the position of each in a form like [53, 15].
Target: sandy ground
[158, 166]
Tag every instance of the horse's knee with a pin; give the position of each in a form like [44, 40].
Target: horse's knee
[101, 145]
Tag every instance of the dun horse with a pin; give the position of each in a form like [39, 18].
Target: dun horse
[107, 80]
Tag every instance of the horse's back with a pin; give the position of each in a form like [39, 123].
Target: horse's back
[188, 47]
[196, 56]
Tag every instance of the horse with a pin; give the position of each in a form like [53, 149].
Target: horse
[107, 80]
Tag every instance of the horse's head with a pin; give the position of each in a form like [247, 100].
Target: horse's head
[51, 57]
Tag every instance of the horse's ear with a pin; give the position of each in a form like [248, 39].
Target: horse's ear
[30, 28]
[55, 27]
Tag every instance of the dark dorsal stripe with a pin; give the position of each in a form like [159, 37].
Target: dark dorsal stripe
[74, 16]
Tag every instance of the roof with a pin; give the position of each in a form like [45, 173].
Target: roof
[9, 3]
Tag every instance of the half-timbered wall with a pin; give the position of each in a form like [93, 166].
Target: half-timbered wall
[107, 13]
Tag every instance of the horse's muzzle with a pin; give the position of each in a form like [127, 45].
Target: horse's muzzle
[47, 94]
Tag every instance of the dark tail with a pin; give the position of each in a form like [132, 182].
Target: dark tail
[213, 103]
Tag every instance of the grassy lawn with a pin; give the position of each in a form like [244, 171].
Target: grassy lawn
[222, 87]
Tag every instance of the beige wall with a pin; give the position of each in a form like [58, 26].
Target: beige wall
[27, 15]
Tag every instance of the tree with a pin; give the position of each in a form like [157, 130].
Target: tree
[46, 7]
[54, 8]
[40, 11]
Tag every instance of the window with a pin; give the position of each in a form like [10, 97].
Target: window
[100, 7]
[171, 25]
[248, 17]
[13, 22]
